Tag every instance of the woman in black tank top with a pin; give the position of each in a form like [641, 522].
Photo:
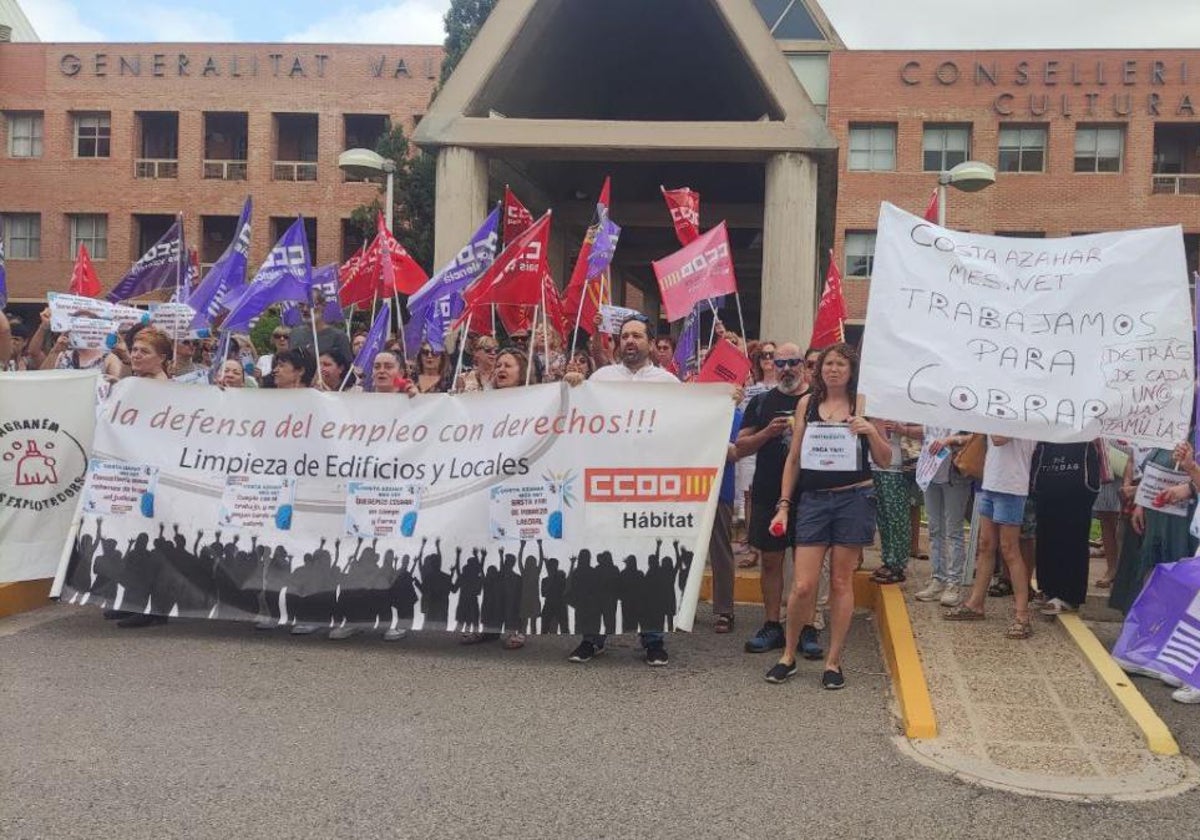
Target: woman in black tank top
[835, 505]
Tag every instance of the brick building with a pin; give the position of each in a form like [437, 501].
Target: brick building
[105, 143]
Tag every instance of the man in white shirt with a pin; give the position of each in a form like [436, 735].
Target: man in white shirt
[635, 366]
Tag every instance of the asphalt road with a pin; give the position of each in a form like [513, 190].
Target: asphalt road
[210, 730]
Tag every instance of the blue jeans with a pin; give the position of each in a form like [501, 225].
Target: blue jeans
[946, 506]
[647, 639]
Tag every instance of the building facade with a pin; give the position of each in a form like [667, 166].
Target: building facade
[103, 144]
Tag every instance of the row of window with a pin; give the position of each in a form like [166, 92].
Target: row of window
[226, 136]
[1021, 148]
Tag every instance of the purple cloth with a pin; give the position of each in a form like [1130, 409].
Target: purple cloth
[1162, 628]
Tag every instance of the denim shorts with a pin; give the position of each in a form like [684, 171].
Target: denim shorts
[841, 517]
[1002, 508]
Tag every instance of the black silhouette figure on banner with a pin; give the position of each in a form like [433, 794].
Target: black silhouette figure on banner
[685, 567]
[403, 591]
[631, 593]
[581, 593]
[665, 589]
[511, 592]
[491, 614]
[605, 583]
[109, 567]
[554, 595]
[468, 583]
[80, 575]
[435, 590]
[531, 603]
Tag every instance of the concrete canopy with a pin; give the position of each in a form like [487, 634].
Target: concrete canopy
[672, 79]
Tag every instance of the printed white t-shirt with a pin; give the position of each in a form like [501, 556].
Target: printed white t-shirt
[1006, 468]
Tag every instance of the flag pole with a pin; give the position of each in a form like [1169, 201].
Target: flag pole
[545, 323]
[400, 326]
[737, 297]
[350, 319]
[579, 315]
[532, 347]
[462, 347]
[178, 258]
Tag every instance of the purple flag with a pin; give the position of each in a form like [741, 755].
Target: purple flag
[1162, 628]
[365, 359]
[434, 306]
[1196, 322]
[226, 280]
[163, 266]
[324, 280]
[3, 271]
[286, 274]
[686, 357]
[604, 245]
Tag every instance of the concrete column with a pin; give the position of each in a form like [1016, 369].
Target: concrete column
[789, 274]
[461, 198]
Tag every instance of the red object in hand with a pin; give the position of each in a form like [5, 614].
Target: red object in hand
[401, 383]
[776, 529]
[1160, 500]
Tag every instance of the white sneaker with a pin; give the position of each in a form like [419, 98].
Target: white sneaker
[394, 634]
[1186, 694]
[932, 591]
[1161, 676]
[1056, 606]
[951, 595]
[303, 629]
[343, 632]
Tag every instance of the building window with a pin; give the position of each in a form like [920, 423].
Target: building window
[872, 148]
[945, 146]
[1023, 148]
[25, 135]
[812, 69]
[23, 236]
[789, 20]
[1099, 148]
[860, 253]
[90, 230]
[92, 135]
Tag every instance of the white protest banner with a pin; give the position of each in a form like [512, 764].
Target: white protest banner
[195, 377]
[91, 333]
[1156, 480]
[63, 307]
[257, 492]
[1059, 340]
[611, 318]
[46, 423]
[175, 319]
[829, 447]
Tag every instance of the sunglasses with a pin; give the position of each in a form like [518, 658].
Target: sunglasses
[770, 354]
[428, 352]
[278, 336]
[811, 364]
[787, 363]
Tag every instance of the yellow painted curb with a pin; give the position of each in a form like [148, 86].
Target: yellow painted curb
[24, 596]
[1158, 738]
[904, 663]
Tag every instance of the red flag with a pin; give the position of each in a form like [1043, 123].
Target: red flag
[695, 273]
[350, 286]
[725, 363]
[399, 271]
[582, 298]
[516, 275]
[516, 318]
[931, 209]
[517, 217]
[684, 205]
[83, 276]
[831, 311]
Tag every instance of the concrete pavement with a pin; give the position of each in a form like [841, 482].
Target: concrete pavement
[212, 730]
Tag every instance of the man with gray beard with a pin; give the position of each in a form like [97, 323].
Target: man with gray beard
[767, 430]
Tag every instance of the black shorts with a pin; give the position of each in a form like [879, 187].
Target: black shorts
[758, 530]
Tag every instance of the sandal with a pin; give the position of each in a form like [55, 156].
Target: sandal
[477, 638]
[1104, 583]
[1019, 630]
[1000, 589]
[514, 641]
[748, 561]
[963, 613]
[724, 623]
[886, 574]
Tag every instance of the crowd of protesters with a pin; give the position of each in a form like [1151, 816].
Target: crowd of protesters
[1035, 503]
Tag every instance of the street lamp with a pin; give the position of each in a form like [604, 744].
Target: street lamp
[968, 176]
[365, 164]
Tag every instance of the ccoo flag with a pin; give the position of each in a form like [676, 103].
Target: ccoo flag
[435, 305]
[285, 275]
[325, 283]
[226, 279]
[700, 270]
[829, 327]
[161, 267]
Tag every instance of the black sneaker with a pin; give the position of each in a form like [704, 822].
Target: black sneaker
[586, 652]
[810, 644]
[833, 680]
[781, 672]
[656, 655]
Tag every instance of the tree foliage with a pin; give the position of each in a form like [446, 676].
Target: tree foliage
[463, 22]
